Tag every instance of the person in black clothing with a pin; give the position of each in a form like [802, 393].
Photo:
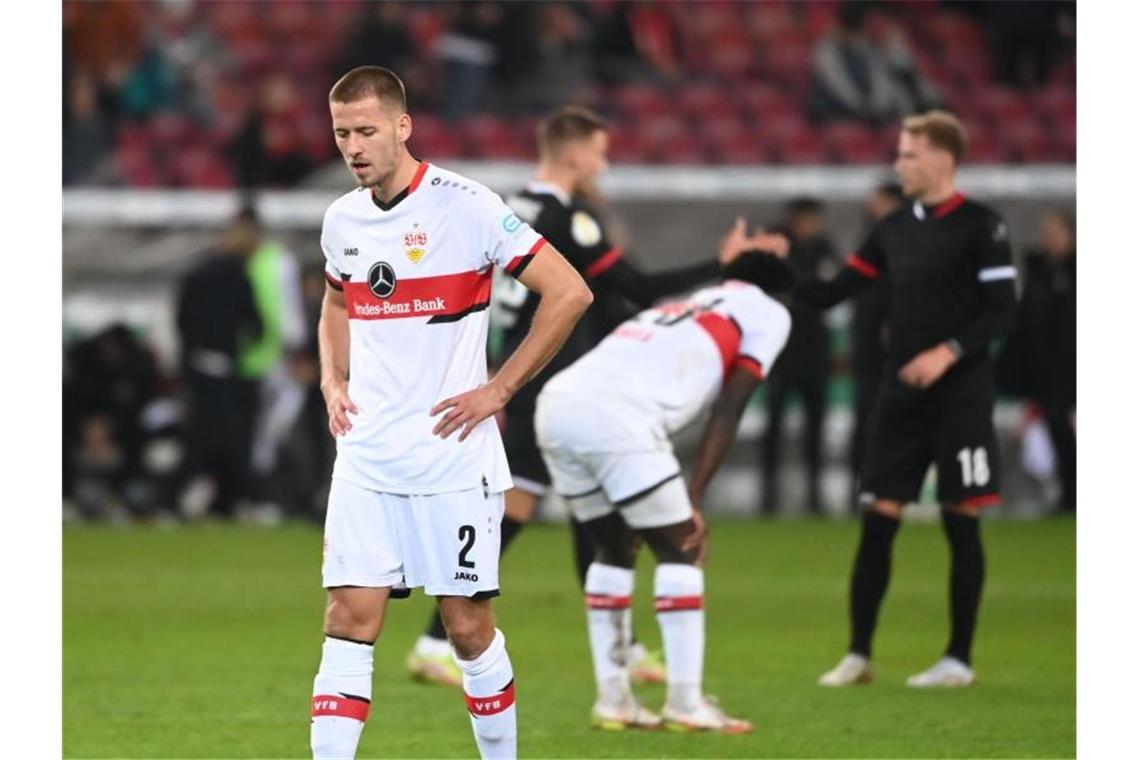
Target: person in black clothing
[952, 280]
[572, 153]
[803, 364]
[216, 317]
[1039, 361]
[869, 335]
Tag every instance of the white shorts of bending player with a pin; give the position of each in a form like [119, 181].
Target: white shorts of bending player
[604, 458]
[447, 543]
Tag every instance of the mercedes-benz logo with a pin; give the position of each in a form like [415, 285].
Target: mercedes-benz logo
[382, 279]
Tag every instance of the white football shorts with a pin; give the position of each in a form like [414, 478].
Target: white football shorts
[447, 543]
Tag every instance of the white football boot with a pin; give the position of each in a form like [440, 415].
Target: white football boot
[852, 669]
[625, 714]
[949, 672]
[706, 716]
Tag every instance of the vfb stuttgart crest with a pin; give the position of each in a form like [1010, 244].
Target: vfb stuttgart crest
[415, 244]
[382, 279]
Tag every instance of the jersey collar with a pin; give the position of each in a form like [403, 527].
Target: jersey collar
[416, 179]
[941, 210]
[546, 188]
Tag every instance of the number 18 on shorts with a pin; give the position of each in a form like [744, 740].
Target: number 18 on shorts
[447, 543]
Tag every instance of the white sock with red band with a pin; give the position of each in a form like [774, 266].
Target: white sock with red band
[609, 592]
[679, 591]
[342, 697]
[489, 684]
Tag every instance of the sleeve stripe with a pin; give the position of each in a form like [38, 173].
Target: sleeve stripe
[862, 266]
[752, 365]
[607, 260]
[332, 281]
[516, 265]
[990, 274]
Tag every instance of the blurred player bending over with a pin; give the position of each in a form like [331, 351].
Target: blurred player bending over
[416, 496]
[604, 425]
[948, 263]
[572, 146]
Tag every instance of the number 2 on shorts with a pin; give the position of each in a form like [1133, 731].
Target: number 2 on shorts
[466, 534]
[975, 467]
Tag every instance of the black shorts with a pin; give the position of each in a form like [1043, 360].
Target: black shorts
[528, 470]
[950, 425]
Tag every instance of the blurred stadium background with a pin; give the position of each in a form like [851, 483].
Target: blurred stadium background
[176, 113]
[198, 642]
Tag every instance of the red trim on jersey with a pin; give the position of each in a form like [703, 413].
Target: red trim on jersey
[678, 603]
[750, 364]
[441, 295]
[334, 282]
[518, 263]
[606, 602]
[948, 205]
[604, 262]
[419, 175]
[985, 500]
[862, 266]
[725, 333]
[340, 706]
[492, 705]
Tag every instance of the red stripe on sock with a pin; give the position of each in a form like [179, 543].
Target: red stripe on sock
[604, 602]
[673, 603]
[492, 705]
[341, 707]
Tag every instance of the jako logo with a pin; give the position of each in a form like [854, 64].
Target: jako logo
[463, 576]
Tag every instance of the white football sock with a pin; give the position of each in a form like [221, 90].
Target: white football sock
[679, 592]
[609, 591]
[342, 697]
[489, 684]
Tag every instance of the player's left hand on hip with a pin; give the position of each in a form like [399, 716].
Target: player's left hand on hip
[928, 367]
[467, 410]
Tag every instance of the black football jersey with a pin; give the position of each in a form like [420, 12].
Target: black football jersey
[951, 276]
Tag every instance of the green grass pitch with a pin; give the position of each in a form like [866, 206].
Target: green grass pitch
[203, 642]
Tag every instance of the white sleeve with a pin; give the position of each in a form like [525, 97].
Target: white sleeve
[764, 329]
[333, 266]
[509, 242]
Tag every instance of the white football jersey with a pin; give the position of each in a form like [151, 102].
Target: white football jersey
[664, 366]
[416, 276]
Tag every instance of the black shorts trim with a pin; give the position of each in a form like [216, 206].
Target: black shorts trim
[645, 492]
[582, 495]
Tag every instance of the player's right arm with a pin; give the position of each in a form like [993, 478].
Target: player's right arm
[333, 343]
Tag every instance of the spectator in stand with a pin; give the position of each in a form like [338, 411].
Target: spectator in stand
[869, 335]
[380, 37]
[268, 150]
[88, 135]
[562, 67]
[803, 365]
[1039, 360]
[216, 318]
[469, 51]
[852, 77]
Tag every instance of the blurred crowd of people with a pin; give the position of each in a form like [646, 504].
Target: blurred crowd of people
[202, 94]
[240, 430]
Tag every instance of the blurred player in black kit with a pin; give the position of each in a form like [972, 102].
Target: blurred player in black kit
[572, 145]
[948, 262]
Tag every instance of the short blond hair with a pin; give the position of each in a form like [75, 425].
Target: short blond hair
[942, 128]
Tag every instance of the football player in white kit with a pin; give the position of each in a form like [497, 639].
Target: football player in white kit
[604, 424]
[417, 489]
